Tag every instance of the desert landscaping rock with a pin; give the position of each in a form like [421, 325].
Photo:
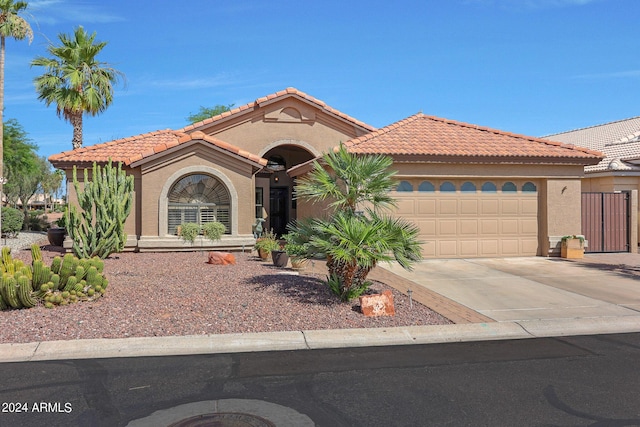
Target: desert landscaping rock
[176, 294]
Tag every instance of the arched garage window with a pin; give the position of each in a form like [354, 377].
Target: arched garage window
[198, 198]
[447, 187]
[529, 187]
[426, 186]
[404, 186]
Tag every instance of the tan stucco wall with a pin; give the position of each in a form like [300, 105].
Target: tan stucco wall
[159, 175]
[267, 127]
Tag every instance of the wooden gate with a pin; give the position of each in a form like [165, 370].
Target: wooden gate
[605, 221]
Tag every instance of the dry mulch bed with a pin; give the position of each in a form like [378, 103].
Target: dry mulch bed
[178, 293]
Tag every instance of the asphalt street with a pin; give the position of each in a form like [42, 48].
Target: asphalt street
[567, 381]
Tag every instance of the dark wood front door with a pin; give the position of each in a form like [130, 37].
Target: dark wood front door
[279, 209]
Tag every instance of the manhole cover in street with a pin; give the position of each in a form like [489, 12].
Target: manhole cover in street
[221, 419]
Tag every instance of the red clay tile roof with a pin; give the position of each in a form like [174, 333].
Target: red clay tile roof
[139, 147]
[290, 91]
[422, 135]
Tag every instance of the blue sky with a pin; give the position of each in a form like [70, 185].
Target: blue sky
[534, 67]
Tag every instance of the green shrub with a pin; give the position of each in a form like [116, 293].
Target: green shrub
[12, 220]
[213, 230]
[188, 231]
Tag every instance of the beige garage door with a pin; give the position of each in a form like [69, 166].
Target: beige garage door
[465, 219]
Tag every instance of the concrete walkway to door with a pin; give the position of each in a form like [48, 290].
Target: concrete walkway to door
[534, 288]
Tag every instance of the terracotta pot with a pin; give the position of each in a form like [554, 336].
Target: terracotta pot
[263, 254]
[56, 236]
[280, 258]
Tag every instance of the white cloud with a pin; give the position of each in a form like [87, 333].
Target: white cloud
[192, 83]
[56, 11]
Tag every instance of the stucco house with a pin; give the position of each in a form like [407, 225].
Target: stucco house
[473, 191]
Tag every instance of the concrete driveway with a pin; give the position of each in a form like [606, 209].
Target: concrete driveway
[514, 289]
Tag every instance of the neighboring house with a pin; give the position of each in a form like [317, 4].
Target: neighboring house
[472, 191]
[619, 170]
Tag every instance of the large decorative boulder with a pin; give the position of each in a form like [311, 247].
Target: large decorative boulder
[221, 258]
[378, 304]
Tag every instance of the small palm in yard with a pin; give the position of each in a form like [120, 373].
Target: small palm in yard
[358, 235]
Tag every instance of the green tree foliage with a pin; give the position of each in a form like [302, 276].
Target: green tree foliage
[75, 81]
[105, 200]
[14, 26]
[357, 235]
[12, 220]
[206, 113]
[24, 169]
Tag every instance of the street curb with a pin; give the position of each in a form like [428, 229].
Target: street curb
[313, 339]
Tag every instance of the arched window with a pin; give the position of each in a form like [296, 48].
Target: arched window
[468, 187]
[426, 186]
[509, 187]
[447, 187]
[529, 187]
[489, 187]
[200, 199]
[404, 186]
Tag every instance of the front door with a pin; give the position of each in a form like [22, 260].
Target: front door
[278, 209]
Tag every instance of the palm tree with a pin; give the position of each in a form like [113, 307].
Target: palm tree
[11, 25]
[75, 80]
[357, 235]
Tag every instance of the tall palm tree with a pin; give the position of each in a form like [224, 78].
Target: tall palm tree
[11, 25]
[75, 80]
[357, 235]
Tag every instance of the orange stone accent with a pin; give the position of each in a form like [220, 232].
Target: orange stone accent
[221, 258]
[378, 304]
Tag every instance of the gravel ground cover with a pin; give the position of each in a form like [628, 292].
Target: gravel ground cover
[169, 294]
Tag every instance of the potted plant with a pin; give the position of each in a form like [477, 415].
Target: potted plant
[279, 256]
[572, 246]
[296, 249]
[56, 235]
[265, 244]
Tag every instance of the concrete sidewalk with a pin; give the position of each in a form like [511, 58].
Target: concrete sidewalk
[489, 299]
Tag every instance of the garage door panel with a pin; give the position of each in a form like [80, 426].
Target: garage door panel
[469, 248]
[448, 227]
[448, 207]
[510, 247]
[509, 226]
[509, 206]
[469, 207]
[490, 247]
[474, 224]
[469, 227]
[427, 228]
[490, 207]
[529, 227]
[448, 248]
[489, 226]
[529, 246]
[426, 207]
[406, 207]
[529, 207]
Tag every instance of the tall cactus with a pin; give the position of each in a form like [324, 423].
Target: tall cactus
[105, 202]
